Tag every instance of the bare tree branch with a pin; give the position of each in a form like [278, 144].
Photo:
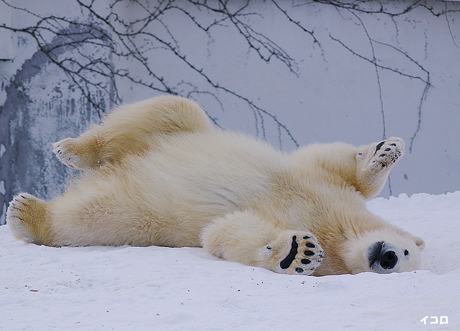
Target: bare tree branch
[120, 40]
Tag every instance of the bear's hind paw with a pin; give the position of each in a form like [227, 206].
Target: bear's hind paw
[27, 218]
[68, 152]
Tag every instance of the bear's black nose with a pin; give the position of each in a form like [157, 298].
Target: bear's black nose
[388, 260]
[382, 257]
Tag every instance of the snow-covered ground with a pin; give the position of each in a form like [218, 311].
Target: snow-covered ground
[157, 288]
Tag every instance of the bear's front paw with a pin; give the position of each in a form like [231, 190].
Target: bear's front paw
[385, 154]
[296, 253]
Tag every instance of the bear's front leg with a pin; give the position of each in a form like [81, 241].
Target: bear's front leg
[303, 257]
[245, 238]
[374, 163]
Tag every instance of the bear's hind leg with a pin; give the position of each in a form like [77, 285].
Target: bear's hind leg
[132, 129]
[243, 237]
[28, 219]
[82, 152]
[374, 163]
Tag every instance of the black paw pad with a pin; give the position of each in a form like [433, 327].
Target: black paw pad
[287, 261]
[379, 145]
[309, 253]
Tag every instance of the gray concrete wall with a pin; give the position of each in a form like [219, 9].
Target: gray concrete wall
[289, 72]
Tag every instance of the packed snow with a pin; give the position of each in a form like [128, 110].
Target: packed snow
[158, 288]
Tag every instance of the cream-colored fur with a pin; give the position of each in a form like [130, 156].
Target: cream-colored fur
[160, 174]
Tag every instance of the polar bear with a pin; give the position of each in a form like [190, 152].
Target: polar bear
[158, 173]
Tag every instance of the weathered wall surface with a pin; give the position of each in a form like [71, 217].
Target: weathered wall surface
[289, 72]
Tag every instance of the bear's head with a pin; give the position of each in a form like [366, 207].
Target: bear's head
[383, 251]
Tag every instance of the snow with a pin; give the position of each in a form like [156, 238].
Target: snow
[158, 288]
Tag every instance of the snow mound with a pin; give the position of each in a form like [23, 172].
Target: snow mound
[157, 288]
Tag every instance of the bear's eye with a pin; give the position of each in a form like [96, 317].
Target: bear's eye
[406, 252]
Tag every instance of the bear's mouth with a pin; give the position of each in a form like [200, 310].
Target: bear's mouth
[374, 253]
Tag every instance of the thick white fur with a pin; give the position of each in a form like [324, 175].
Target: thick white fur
[160, 174]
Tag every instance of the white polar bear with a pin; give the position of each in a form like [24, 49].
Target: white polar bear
[159, 174]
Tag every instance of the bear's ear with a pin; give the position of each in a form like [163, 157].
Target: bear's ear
[420, 243]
